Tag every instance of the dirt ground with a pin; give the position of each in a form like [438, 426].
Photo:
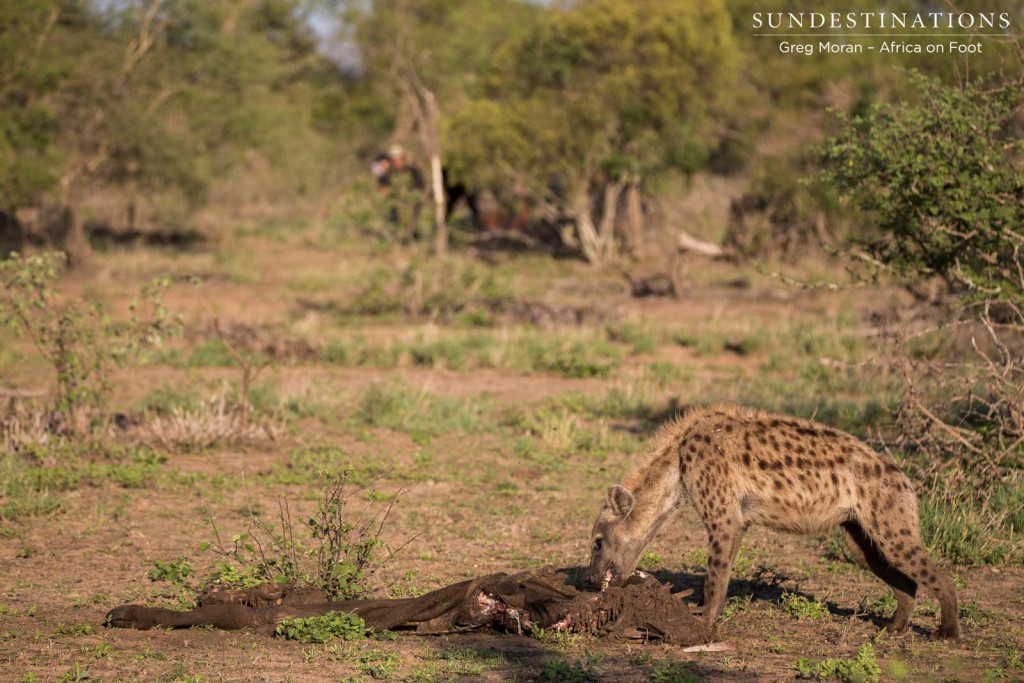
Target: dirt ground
[516, 486]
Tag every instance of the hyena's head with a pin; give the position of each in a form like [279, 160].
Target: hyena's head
[616, 542]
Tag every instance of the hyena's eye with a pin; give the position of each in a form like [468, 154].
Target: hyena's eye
[598, 542]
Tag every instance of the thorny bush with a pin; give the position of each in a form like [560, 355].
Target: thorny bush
[81, 341]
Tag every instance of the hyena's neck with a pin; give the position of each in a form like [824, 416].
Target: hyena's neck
[656, 492]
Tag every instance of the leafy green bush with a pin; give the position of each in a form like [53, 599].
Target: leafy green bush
[321, 629]
[334, 550]
[938, 179]
[82, 343]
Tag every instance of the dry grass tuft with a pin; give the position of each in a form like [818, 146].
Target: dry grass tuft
[213, 422]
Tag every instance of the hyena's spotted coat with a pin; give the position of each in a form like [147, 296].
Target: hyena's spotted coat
[739, 467]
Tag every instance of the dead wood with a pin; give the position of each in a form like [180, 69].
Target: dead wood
[689, 243]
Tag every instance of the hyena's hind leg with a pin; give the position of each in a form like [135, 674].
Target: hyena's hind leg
[902, 547]
[861, 547]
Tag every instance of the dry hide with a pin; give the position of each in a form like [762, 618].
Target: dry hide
[642, 609]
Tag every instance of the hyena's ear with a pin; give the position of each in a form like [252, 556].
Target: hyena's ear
[620, 500]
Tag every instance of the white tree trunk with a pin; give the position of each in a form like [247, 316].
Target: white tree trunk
[596, 241]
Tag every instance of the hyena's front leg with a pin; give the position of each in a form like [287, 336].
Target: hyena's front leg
[724, 535]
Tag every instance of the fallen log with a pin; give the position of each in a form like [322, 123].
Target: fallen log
[687, 242]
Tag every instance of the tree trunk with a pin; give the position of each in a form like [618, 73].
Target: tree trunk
[424, 109]
[596, 242]
[633, 223]
[76, 242]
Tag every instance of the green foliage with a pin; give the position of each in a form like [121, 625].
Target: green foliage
[589, 97]
[81, 343]
[345, 548]
[862, 669]
[801, 607]
[338, 552]
[321, 629]
[174, 571]
[938, 178]
[28, 156]
[231, 575]
[563, 101]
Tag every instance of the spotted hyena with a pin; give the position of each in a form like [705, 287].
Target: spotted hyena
[738, 467]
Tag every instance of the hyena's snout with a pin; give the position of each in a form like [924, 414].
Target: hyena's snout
[600, 576]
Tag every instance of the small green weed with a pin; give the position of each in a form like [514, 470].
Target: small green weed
[737, 604]
[81, 628]
[75, 674]
[378, 664]
[651, 561]
[862, 669]
[174, 571]
[580, 671]
[884, 606]
[801, 607]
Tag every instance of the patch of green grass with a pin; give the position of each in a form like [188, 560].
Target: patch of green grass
[973, 614]
[670, 671]
[651, 561]
[704, 344]
[736, 604]
[395, 405]
[438, 289]
[81, 628]
[456, 353]
[321, 629]
[883, 607]
[76, 673]
[967, 528]
[863, 668]
[456, 662]
[210, 353]
[579, 671]
[642, 340]
[696, 559]
[801, 607]
[29, 488]
[378, 664]
[26, 492]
